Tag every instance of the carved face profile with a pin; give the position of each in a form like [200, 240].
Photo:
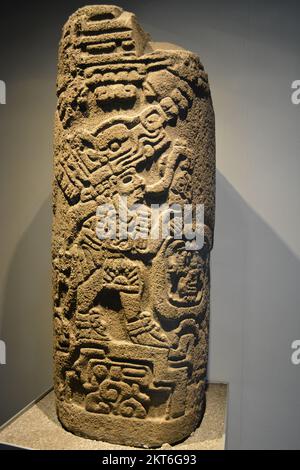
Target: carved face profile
[183, 273]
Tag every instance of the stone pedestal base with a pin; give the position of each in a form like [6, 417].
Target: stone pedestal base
[37, 427]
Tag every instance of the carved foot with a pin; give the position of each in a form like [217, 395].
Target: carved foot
[147, 331]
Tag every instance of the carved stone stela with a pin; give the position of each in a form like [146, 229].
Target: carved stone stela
[134, 119]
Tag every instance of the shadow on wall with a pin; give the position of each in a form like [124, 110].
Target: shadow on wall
[26, 320]
[255, 317]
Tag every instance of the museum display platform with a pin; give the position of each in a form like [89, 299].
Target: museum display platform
[37, 428]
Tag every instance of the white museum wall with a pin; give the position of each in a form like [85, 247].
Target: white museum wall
[251, 52]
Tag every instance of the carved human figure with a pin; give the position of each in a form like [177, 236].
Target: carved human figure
[134, 128]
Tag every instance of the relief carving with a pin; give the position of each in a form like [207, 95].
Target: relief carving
[134, 137]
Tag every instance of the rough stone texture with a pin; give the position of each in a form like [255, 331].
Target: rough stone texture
[134, 119]
[37, 427]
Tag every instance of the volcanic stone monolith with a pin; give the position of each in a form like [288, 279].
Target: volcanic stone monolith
[133, 204]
